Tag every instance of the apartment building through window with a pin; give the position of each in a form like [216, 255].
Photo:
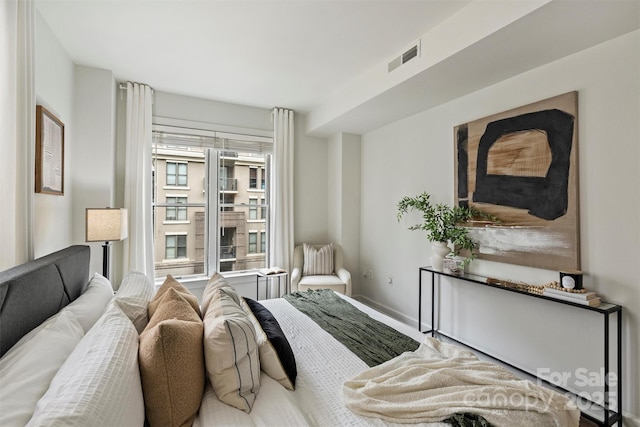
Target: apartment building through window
[211, 202]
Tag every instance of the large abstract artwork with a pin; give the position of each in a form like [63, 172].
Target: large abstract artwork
[521, 166]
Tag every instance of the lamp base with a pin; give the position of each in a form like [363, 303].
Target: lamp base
[105, 259]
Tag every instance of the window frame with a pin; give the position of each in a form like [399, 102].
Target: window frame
[213, 206]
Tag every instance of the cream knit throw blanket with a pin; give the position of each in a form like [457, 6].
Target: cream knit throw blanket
[440, 379]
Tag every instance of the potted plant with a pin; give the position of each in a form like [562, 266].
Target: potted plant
[442, 224]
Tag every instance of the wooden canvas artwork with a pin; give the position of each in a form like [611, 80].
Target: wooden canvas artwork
[521, 166]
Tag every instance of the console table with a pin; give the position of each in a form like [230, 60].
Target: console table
[606, 310]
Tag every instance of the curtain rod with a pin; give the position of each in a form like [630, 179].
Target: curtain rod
[123, 86]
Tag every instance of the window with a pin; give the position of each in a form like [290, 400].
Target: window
[207, 228]
[175, 246]
[177, 174]
[253, 178]
[253, 208]
[176, 213]
[253, 242]
[262, 178]
[227, 247]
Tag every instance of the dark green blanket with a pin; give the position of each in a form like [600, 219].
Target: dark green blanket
[370, 340]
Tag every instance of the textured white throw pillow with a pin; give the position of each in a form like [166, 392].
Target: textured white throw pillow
[89, 306]
[27, 368]
[99, 384]
[317, 261]
[133, 296]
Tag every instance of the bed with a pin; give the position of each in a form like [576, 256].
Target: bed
[165, 358]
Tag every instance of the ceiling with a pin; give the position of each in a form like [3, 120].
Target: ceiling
[261, 53]
[328, 58]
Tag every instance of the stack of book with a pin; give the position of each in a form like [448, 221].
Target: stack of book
[586, 298]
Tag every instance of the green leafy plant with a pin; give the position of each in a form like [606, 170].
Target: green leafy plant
[442, 222]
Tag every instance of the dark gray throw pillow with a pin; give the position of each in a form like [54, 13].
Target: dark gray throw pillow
[278, 340]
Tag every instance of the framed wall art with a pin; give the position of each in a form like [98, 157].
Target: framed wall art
[521, 166]
[49, 171]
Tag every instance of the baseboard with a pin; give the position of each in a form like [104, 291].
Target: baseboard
[630, 420]
[387, 310]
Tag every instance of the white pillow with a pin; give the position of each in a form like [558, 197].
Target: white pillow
[133, 296]
[27, 368]
[89, 306]
[100, 381]
[29, 336]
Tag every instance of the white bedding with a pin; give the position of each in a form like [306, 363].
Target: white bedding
[317, 400]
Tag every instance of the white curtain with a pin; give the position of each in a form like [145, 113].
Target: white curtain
[281, 223]
[17, 130]
[138, 247]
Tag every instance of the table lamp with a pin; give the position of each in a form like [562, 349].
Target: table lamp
[106, 225]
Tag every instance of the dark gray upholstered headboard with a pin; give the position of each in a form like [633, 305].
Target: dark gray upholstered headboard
[31, 293]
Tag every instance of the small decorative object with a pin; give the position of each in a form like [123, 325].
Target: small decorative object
[571, 279]
[453, 265]
[49, 169]
[553, 290]
[578, 296]
[442, 224]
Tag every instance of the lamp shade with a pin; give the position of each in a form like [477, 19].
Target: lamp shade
[106, 224]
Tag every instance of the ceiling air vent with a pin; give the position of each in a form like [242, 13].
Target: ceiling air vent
[412, 52]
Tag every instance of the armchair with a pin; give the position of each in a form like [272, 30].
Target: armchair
[338, 280]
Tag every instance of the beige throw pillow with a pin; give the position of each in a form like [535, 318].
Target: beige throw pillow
[317, 261]
[230, 347]
[171, 283]
[172, 361]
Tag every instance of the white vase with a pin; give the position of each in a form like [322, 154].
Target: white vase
[439, 250]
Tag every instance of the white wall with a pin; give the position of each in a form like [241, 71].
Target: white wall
[55, 91]
[209, 111]
[84, 99]
[343, 200]
[310, 186]
[416, 154]
[93, 155]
